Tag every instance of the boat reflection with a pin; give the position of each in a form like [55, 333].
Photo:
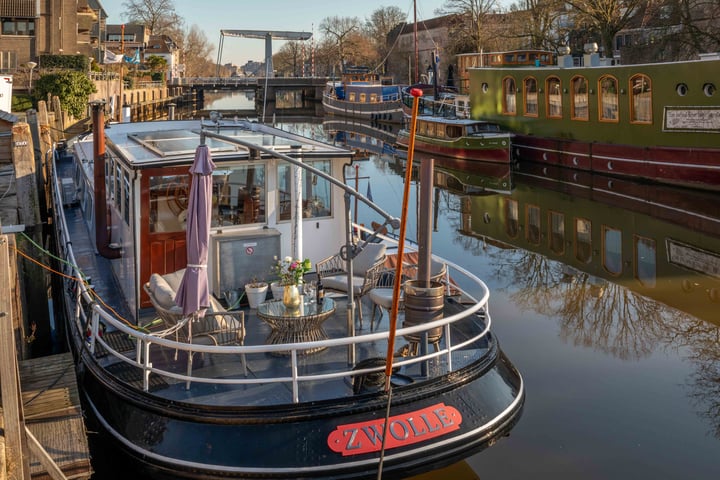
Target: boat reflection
[365, 136]
[624, 267]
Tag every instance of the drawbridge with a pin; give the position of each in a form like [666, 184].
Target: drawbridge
[268, 35]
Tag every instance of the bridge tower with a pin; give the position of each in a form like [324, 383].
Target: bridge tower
[260, 34]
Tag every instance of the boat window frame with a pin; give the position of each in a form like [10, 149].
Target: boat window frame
[573, 97]
[548, 93]
[633, 97]
[526, 102]
[329, 193]
[505, 96]
[601, 99]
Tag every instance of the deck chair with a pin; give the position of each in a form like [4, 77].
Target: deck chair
[366, 268]
[216, 327]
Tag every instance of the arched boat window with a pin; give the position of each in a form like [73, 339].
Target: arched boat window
[608, 98]
[553, 96]
[530, 95]
[512, 222]
[640, 99]
[509, 91]
[579, 100]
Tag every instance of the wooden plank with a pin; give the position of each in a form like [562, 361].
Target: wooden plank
[49, 386]
[16, 463]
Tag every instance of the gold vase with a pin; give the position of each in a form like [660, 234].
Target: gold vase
[291, 297]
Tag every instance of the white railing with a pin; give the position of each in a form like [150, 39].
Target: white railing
[90, 318]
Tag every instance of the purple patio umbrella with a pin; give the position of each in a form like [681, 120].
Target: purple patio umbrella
[193, 294]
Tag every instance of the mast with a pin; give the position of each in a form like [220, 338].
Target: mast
[415, 39]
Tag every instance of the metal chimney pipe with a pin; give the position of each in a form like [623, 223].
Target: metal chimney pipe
[102, 238]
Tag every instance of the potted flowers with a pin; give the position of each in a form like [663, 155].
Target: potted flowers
[290, 272]
[256, 291]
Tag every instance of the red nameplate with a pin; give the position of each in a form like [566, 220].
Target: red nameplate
[418, 426]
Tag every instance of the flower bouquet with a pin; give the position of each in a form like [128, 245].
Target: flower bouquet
[290, 271]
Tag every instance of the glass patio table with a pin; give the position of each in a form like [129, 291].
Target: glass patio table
[303, 324]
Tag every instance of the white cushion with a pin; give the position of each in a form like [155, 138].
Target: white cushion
[162, 292]
[369, 256]
[339, 283]
[173, 279]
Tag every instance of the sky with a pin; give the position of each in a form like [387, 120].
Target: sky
[288, 15]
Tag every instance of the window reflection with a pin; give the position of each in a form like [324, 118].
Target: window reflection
[554, 97]
[612, 250]
[645, 261]
[533, 224]
[583, 240]
[641, 104]
[316, 191]
[531, 99]
[579, 99]
[557, 232]
[512, 225]
[608, 98]
[509, 91]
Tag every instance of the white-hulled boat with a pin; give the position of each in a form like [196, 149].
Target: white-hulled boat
[253, 406]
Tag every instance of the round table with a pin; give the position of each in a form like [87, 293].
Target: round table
[303, 324]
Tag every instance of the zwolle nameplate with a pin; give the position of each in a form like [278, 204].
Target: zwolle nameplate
[406, 429]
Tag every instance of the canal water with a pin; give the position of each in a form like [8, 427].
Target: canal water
[605, 294]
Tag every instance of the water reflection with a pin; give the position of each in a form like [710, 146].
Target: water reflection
[605, 293]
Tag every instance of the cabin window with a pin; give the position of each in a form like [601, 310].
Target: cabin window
[509, 91]
[168, 202]
[612, 250]
[608, 89]
[431, 130]
[641, 99]
[531, 98]
[351, 96]
[118, 181]
[239, 195]
[645, 261]
[553, 94]
[557, 233]
[579, 99]
[127, 189]
[363, 98]
[583, 240]
[316, 194]
[454, 131]
[373, 98]
[512, 223]
[532, 232]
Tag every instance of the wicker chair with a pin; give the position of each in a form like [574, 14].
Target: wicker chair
[367, 266]
[216, 327]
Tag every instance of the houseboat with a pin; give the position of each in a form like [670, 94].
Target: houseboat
[281, 390]
[459, 138]
[363, 94]
[659, 122]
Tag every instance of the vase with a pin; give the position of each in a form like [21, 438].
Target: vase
[291, 297]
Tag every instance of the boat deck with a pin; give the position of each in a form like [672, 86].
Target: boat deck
[218, 378]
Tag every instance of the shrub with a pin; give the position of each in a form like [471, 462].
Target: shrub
[72, 88]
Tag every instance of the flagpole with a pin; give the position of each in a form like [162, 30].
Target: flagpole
[122, 81]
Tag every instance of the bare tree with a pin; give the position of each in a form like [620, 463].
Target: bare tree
[159, 16]
[540, 22]
[289, 58]
[701, 25]
[196, 53]
[606, 17]
[469, 32]
[338, 29]
[379, 25]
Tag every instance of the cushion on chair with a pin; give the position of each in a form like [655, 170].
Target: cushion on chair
[164, 294]
[339, 283]
[174, 279]
[369, 256]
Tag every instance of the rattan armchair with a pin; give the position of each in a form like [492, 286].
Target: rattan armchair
[367, 266]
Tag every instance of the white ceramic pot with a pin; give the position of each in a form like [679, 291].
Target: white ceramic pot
[256, 293]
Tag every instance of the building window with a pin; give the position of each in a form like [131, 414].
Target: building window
[18, 26]
[509, 91]
[641, 99]
[608, 90]
[554, 97]
[579, 99]
[531, 99]
[8, 61]
[316, 194]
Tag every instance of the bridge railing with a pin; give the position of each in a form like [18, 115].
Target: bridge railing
[219, 81]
